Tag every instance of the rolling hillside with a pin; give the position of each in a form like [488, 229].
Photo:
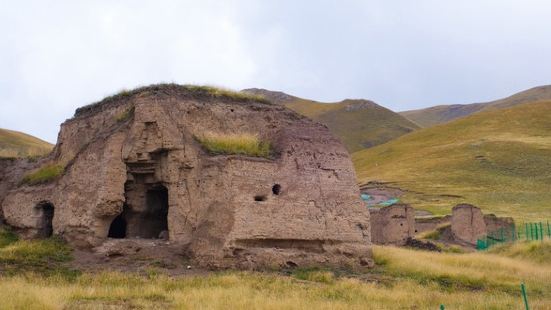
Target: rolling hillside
[358, 123]
[18, 144]
[499, 160]
[445, 113]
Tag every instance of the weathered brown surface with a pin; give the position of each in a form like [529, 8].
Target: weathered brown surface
[500, 226]
[393, 224]
[143, 164]
[467, 223]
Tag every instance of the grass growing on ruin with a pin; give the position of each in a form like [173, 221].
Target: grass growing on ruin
[240, 144]
[404, 279]
[44, 174]
[218, 92]
[193, 91]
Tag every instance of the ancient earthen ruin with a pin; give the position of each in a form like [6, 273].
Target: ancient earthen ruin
[132, 168]
[393, 224]
[469, 224]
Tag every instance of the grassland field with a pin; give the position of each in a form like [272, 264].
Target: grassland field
[33, 275]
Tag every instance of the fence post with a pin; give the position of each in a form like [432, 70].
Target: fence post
[526, 231]
[541, 230]
[523, 289]
[548, 230]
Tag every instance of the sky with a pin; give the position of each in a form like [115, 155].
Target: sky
[58, 55]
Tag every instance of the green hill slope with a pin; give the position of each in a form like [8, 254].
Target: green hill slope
[499, 160]
[358, 123]
[445, 113]
[18, 144]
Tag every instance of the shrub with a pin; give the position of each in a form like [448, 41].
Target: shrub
[44, 174]
[240, 144]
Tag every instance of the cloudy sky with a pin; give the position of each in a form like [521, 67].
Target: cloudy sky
[58, 55]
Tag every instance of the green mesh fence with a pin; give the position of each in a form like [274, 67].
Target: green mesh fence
[527, 231]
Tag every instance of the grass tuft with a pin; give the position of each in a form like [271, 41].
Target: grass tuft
[314, 275]
[240, 144]
[44, 174]
[217, 92]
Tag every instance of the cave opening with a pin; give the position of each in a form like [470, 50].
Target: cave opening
[118, 227]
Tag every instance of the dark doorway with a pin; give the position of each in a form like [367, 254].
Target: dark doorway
[154, 219]
[118, 227]
[46, 216]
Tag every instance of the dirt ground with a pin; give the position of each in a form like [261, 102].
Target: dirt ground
[136, 255]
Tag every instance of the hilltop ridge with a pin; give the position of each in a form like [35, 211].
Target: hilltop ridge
[444, 113]
[359, 123]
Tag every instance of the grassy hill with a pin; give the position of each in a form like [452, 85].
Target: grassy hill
[445, 113]
[358, 123]
[18, 144]
[499, 160]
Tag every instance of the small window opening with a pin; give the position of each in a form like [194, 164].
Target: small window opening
[260, 198]
[276, 189]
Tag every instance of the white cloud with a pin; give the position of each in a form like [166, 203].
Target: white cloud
[58, 55]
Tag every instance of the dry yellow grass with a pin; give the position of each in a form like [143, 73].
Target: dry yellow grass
[241, 291]
[407, 279]
[234, 143]
[18, 144]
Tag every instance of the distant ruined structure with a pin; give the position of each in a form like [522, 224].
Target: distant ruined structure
[469, 224]
[133, 168]
[393, 224]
